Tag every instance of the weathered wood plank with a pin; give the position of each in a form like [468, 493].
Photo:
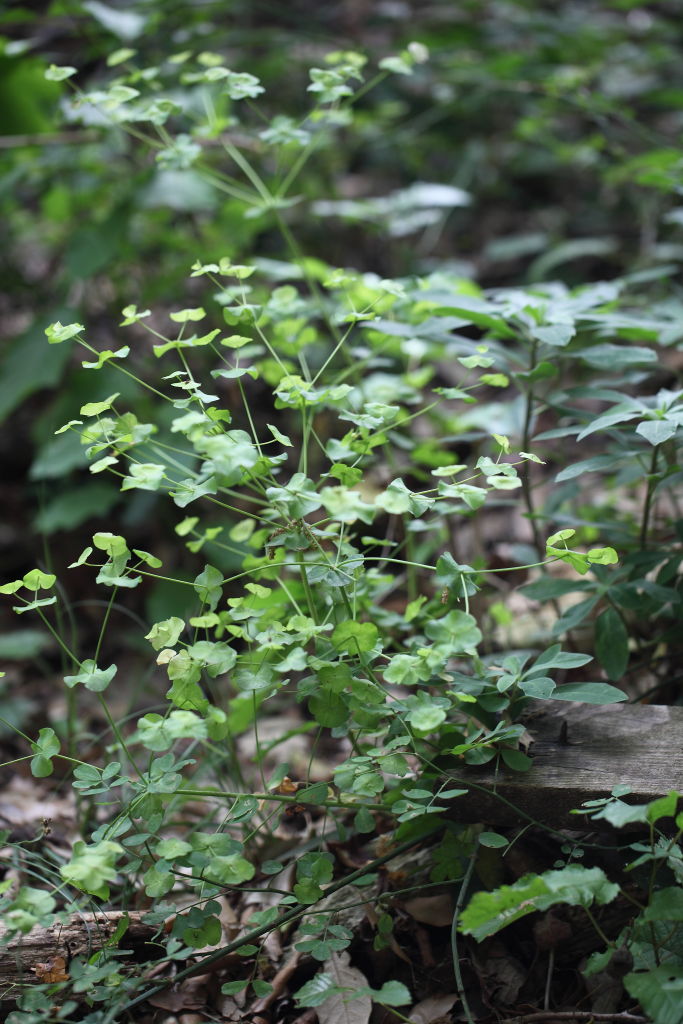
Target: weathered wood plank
[580, 753]
[32, 958]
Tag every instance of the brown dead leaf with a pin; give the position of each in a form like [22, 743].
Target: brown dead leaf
[52, 971]
[434, 910]
[191, 995]
[433, 1010]
[339, 1008]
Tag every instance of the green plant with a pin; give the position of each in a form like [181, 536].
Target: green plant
[332, 434]
[650, 943]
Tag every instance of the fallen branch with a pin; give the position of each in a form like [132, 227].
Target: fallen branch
[44, 951]
[550, 1015]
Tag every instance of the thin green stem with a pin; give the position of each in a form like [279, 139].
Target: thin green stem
[462, 894]
[255, 933]
[649, 494]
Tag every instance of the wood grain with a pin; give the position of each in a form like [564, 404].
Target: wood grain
[580, 752]
[24, 960]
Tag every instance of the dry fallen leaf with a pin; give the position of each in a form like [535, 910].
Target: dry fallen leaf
[51, 972]
[339, 1008]
[434, 910]
[432, 1010]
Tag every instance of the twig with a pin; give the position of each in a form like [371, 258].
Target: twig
[550, 1015]
[50, 139]
[460, 987]
[199, 967]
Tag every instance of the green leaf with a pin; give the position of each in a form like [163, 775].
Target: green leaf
[145, 476]
[590, 693]
[392, 993]
[214, 657]
[355, 637]
[554, 657]
[37, 580]
[602, 556]
[493, 840]
[165, 633]
[665, 905]
[489, 912]
[57, 333]
[104, 357]
[184, 316]
[158, 880]
[45, 748]
[516, 759]
[407, 670]
[458, 630]
[207, 586]
[58, 73]
[397, 499]
[92, 677]
[232, 869]
[96, 408]
[316, 991]
[91, 868]
[328, 709]
[657, 431]
[611, 643]
[427, 715]
[11, 588]
[557, 335]
[282, 438]
[659, 992]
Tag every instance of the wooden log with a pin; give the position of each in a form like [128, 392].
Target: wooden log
[45, 953]
[580, 752]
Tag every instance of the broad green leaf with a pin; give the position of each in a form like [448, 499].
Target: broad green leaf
[315, 991]
[145, 476]
[298, 498]
[406, 670]
[657, 431]
[557, 335]
[427, 716]
[44, 749]
[458, 630]
[92, 868]
[355, 637]
[392, 993]
[328, 709]
[57, 333]
[184, 316]
[590, 693]
[104, 357]
[617, 357]
[621, 413]
[489, 912]
[541, 687]
[665, 905]
[611, 643]
[96, 408]
[493, 840]
[347, 506]
[216, 658]
[659, 992]
[92, 677]
[165, 633]
[554, 657]
[602, 556]
[58, 73]
[38, 580]
[157, 733]
[397, 499]
[232, 869]
[11, 588]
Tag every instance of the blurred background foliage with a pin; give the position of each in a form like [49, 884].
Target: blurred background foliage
[539, 141]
